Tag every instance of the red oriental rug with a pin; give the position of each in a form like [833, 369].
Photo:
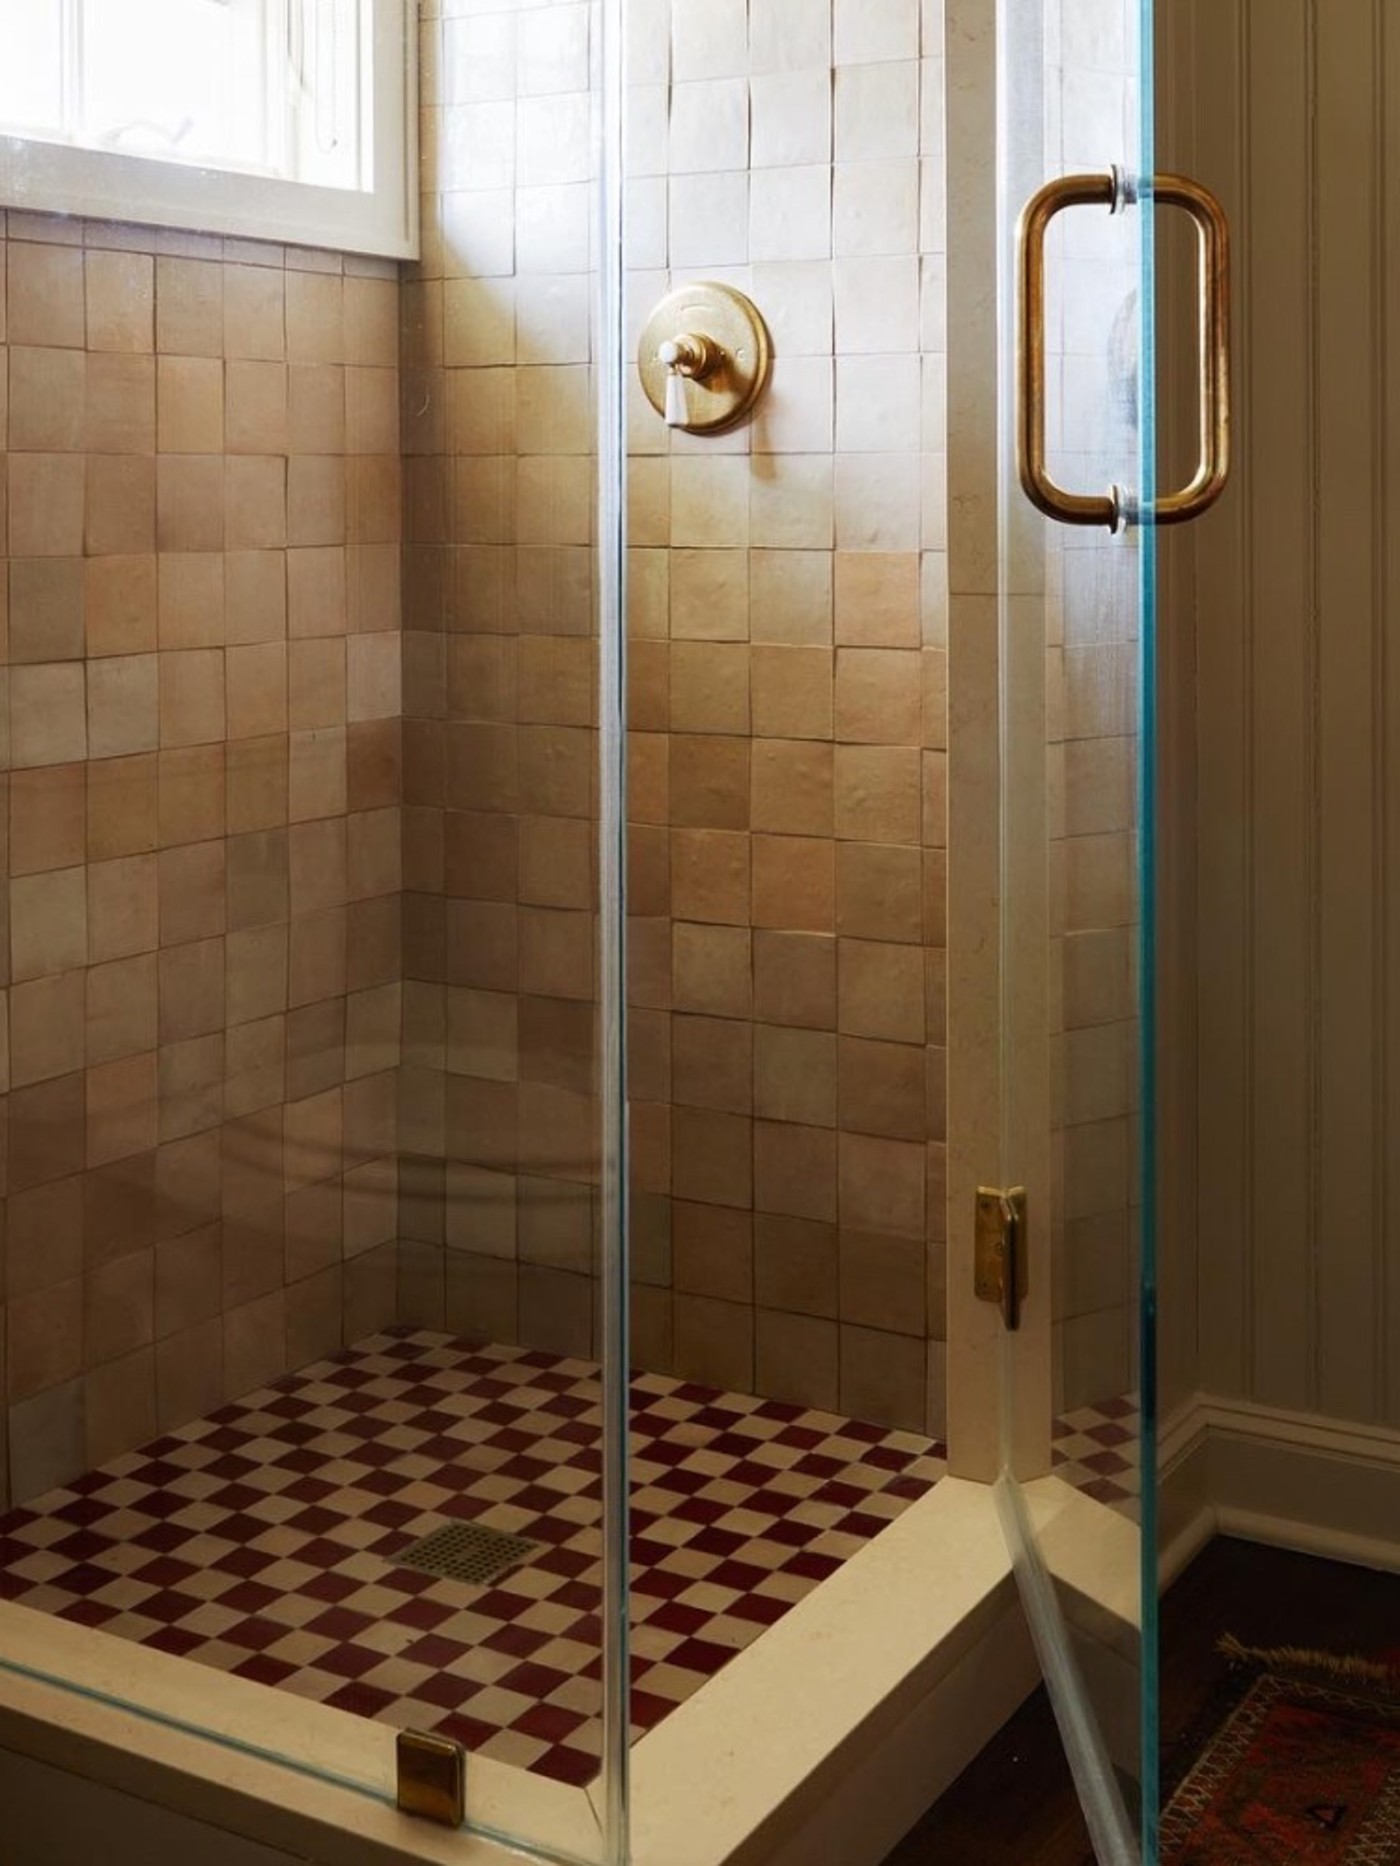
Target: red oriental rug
[1303, 1771]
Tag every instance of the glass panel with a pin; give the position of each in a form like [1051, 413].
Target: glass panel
[312, 1212]
[786, 821]
[1076, 646]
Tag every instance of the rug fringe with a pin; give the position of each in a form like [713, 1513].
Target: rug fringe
[1348, 1667]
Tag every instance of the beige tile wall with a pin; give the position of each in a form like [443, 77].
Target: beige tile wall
[787, 705]
[496, 1113]
[201, 823]
[223, 934]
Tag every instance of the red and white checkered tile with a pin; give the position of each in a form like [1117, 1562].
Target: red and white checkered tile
[1096, 1448]
[262, 1540]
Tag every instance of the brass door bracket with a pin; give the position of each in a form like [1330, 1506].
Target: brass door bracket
[432, 1778]
[1001, 1265]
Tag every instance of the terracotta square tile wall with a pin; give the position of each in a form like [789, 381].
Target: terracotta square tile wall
[787, 705]
[497, 1118]
[200, 811]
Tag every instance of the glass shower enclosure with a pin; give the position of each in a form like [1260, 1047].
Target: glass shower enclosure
[733, 1118]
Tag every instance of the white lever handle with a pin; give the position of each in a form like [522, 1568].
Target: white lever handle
[677, 414]
[688, 357]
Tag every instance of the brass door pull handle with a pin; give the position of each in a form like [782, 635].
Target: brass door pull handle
[1213, 232]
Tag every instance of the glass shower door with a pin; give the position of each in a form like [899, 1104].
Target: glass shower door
[1075, 587]
[1078, 511]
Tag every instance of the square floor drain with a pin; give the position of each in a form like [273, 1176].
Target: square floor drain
[467, 1552]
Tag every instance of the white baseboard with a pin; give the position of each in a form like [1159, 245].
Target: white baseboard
[1293, 1480]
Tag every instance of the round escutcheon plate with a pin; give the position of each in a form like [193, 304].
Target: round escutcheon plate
[731, 322]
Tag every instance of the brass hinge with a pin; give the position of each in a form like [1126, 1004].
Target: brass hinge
[432, 1777]
[1002, 1268]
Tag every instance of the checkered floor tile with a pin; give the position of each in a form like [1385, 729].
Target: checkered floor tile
[1096, 1448]
[262, 1540]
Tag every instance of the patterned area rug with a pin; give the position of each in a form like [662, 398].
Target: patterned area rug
[1304, 1770]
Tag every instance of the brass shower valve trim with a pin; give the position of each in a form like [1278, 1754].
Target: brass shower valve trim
[705, 358]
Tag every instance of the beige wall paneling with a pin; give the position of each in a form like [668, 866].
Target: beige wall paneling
[1276, 440]
[1349, 518]
[1221, 707]
[1286, 111]
[1179, 1036]
[1388, 79]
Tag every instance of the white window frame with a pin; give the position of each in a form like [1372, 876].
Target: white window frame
[58, 178]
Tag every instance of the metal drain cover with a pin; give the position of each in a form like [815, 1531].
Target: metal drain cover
[469, 1553]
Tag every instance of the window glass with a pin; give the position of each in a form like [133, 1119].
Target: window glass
[289, 120]
[31, 70]
[187, 80]
[272, 87]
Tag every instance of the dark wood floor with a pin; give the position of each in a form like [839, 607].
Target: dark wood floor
[1015, 1805]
